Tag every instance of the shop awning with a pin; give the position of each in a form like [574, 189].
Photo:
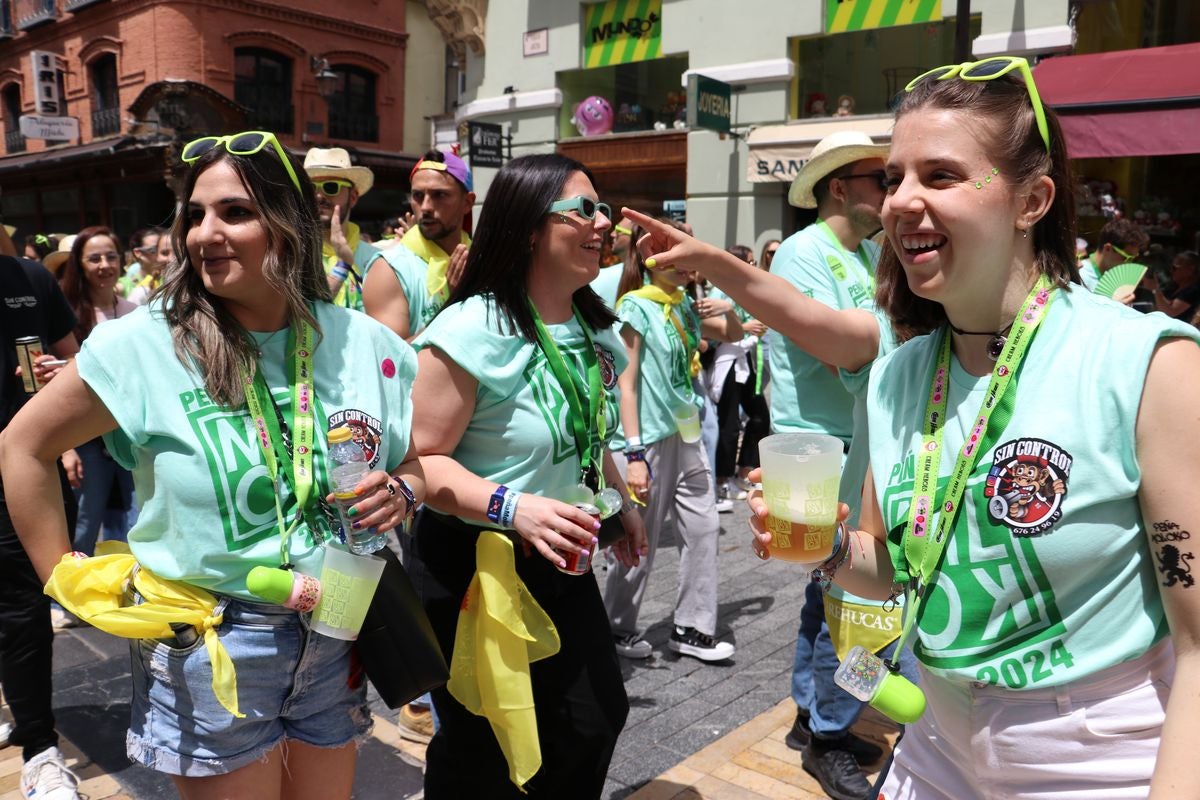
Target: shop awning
[1126, 103]
[777, 152]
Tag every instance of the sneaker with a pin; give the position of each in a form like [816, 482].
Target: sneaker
[631, 645]
[734, 491]
[691, 642]
[724, 506]
[46, 777]
[415, 724]
[837, 772]
[60, 619]
[801, 734]
[6, 729]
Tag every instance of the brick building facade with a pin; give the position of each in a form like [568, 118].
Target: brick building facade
[145, 76]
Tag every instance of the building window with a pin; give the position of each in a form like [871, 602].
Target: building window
[263, 84]
[6, 27]
[352, 107]
[106, 107]
[14, 142]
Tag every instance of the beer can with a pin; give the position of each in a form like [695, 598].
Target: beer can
[28, 349]
[580, 563]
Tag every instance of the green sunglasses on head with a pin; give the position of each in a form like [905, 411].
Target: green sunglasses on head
[586, 207]
[989, 69]
[331, 187]
[246, 143]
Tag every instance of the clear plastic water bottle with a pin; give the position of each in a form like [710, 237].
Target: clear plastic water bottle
[347, 467]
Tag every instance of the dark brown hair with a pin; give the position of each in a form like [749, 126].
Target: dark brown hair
[1018, 151]
[1123, 233]
[635, 270]
[74, 281]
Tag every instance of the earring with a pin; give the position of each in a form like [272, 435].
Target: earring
[1024, 233]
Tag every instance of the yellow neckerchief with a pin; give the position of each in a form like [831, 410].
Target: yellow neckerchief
[437, 259]
[668, 302]
[330, 257]
[151, 282]
[501, 631]
[94, 589]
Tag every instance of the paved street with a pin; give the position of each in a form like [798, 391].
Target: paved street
[679, 706]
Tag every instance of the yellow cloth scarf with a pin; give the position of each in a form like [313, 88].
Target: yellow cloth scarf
[437, 259]
[94, 589]
[668, 302]
[330, 258]
[501, 631]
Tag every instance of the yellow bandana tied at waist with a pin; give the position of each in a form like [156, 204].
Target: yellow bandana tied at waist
[855, 623]
[668, 302]
[438, 260]
[94, 590]
[501, 631]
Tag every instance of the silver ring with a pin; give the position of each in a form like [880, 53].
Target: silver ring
[391, 489]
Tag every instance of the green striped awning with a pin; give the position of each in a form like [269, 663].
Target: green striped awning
[621, 32]
[860, 15]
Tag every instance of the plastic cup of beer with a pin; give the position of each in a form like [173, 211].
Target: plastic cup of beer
[348, 583]
[801, 473]
[687, 419]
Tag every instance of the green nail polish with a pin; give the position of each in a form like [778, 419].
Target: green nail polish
[352, 511]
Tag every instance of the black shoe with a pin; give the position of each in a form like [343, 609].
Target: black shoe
[801, 734]
[837, 772]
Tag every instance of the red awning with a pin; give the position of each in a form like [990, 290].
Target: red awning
[1127, 103]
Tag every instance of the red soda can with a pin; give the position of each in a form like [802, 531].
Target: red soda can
[580, 563]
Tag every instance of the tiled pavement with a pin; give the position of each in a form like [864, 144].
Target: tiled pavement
[680, 708]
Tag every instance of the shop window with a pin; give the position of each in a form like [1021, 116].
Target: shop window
[14, 142]
[262, 82]
[6, 27]
[642, 96]
[106, 110]
[352, 106]
[865, 72]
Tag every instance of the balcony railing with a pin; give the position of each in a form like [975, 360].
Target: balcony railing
[106, 121]
[356, 127]
[274, 117]
[32, 13]
[75, 5]
[14, 142]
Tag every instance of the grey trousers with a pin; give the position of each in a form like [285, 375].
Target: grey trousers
[681, 495]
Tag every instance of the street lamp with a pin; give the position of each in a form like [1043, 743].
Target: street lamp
[327, 79]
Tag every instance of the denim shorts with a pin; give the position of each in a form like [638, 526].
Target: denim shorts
[291, 684]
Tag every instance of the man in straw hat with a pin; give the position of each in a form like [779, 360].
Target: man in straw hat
[833, 262]
[339, 185]
[430, 257]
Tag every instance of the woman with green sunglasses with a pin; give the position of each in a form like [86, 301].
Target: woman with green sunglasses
[1027, 492]
[244, 363]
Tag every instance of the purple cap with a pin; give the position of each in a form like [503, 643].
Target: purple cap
[454, 165]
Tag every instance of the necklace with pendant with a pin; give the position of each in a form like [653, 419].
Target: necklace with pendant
[995, 345]
[263, 344]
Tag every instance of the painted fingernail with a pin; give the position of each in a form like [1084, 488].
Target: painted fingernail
[356, 525]
[651, 263]
[562, 564]
[595, 525]
[352, 511]
[595, 540]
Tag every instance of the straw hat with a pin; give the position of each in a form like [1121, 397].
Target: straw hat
[334, 162]
[832, 153]
[54, 260]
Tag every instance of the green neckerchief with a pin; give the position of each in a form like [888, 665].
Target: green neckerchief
[588, 438]
[303, 427]
[353, 284]
[923, 548]
[839, 269]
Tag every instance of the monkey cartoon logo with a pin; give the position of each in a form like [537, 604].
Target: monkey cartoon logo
[366, 431]
[1026, 485]
[608, 370]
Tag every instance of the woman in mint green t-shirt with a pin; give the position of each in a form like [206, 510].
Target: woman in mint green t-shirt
[514, 404]
[217, 395]
[668, 473]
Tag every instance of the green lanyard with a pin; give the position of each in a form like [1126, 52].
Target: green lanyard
[839, 269]
[270, 437]
[587, 444]
[688, 342]
[922, 548]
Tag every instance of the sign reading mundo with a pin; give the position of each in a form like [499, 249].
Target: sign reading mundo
[621, 32]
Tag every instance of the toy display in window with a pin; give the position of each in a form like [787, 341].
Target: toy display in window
[815, 107]
[593, 117]
[845, 106]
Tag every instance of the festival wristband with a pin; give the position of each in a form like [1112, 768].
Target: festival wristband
[639, 455]
[340, 271]
[633, 443]
[508, 512]
[410, 497]
[496, 503]
[841, 553]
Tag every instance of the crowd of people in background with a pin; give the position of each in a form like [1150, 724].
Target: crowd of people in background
[517, 369]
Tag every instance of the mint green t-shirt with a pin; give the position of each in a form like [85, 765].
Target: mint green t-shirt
[1089, 273]
[607, 282]
[207, 510]
[664, 370]
[805, 395]
[410, 271]
[1047, 576]
[520, 434]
